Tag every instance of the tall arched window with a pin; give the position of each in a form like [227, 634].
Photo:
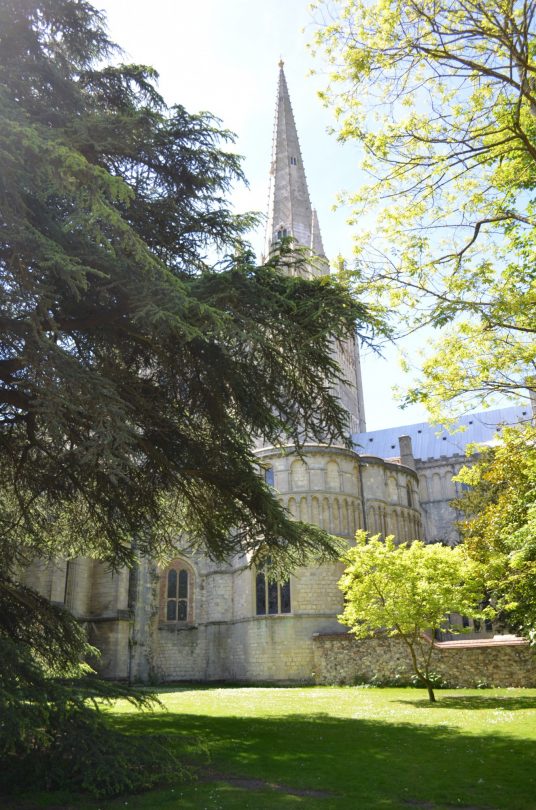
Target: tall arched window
[176, 593]
[271, 597]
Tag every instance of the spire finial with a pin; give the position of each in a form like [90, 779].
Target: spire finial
[289, 209]
[281, 62]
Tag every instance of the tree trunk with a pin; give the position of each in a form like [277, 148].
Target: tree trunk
[431, 695]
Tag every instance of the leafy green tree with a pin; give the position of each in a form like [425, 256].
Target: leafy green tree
[441, 94]
[141, 349]
[406, 590]
[499, 529]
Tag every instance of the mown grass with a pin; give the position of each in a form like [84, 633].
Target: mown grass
[338, 747]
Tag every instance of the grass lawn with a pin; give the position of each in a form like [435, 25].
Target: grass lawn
[337, 747]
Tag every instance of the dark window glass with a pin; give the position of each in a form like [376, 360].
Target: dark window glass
[465, 621]
[172, 585]
[183, 584]
[489, 626]
[269, 476]
[285, 596]
[261, 594]
[409, 495]
[171, 614]
[177, 595]
[272, 597]
[476, 624]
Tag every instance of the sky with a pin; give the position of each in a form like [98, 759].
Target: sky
[222, 56]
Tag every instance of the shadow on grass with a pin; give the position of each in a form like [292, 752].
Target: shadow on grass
[362, 763]
[471, 702]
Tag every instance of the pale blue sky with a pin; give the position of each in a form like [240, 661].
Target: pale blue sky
[222, 55]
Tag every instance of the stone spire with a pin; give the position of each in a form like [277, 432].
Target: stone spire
[316, 237]
[289, 207]
[290, 214]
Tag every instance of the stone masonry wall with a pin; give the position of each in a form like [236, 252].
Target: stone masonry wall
[342, 659]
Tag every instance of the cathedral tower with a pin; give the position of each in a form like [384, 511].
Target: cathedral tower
[290, 214]
[200, 619]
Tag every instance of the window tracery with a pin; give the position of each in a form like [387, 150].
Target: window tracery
[176, 593]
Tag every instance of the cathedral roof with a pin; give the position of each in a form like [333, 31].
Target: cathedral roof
[435, 441]
[289, 206]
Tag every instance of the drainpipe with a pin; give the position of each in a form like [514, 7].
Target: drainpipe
[362, 488]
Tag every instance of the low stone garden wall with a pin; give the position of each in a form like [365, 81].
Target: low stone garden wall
[340, 658]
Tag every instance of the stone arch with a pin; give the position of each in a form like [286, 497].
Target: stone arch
[356, 479]
[326, 514]
[333, 476]
[299, 475]
[315, 511]
[436, 487]
[336, 515]
[448, 484]
[352, 527]
[358, 522]
[392, 489]
[293, 508]
[304, 510]
[371, 520]
[423, 488]
[384, 525]
[396, 517]
[345, 517]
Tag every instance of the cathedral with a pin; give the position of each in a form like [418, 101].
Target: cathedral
[198, 620]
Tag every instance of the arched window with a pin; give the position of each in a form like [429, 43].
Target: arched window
[409, 494]
[176, 593]
[271, 597]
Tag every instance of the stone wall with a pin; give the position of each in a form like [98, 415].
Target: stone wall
[339, 658]
[436, 492]
[341, 491]
[226, 640]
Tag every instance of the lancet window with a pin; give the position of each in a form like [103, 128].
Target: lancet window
[176, 593]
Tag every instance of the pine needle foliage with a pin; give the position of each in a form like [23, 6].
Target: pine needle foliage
[142, 351]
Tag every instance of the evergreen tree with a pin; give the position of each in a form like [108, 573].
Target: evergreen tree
[141, 349]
